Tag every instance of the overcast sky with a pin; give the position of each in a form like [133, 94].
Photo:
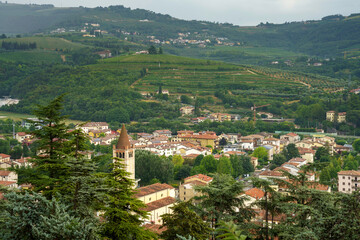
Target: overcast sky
[240, 12]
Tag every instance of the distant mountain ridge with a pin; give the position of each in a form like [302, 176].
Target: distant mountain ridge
[330, 36]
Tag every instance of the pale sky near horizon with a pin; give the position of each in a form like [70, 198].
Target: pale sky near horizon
[239, 12]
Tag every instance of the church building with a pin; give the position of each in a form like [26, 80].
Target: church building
[126, 151]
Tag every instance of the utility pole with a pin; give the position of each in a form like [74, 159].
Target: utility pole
[13, 124]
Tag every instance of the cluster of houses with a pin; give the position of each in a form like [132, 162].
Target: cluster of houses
[339, 117]
[159, 198]
[92, 30]
[195, 39]
[9, 178]
[7, 101]
[214, 117]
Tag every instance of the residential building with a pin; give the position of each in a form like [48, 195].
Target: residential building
[348, 181]
[108, 139]
[158, 199]
[307, 153]
[187, 110]
[290, 137]
[273, 142]
[270, 150]
[341, 117]
[246, 144]
[231, 148]
[164, 132]
[256, 138]
[8, 176]
[22, 136]
[4, 157]
[206, 138]
[268, 174]
[220, 117]
[254, 161]
[98, 133]
[104, 54]
[253, 195]
[187, 191]
[330, 116]
[198, 119]
[356, 91]
[94, 126]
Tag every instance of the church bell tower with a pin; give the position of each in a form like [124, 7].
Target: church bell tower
[125, 151]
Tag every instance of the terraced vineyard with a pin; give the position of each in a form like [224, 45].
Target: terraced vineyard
[182, 75]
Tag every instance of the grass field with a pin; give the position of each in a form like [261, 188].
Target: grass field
[48, 43]
[20, 116]
[31, 56]
[258, 51]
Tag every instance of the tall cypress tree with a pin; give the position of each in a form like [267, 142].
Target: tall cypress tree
[50, 169]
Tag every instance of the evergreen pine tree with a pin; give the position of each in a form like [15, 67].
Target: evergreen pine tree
[123, 213]
[221, 200]
[31, 216]
[50, 169]
[183, 221]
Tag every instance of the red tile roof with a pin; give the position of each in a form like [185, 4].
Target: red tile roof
[4, 173]
[318, 186]
[204, 136]
[302, 151]
[255, 193]
[195, 183]
[292, 134]
[123, 142]
[199, 176]
[281, 168]
[95, 124]
[7, 183]
[297, 160]
[296, 164]
[156, 228]
[143, 191]
[159, 203]
[271, 173]
[350, 172]
[309, 184]
[4, 155]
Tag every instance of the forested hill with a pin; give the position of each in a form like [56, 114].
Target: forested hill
[330, 36]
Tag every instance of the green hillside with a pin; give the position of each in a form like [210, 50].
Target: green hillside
[330, 36]
[40, 56]
[110, 89]
[17, 18]
[47, 43]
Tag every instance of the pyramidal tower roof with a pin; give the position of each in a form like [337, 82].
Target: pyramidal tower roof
[123, 142]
